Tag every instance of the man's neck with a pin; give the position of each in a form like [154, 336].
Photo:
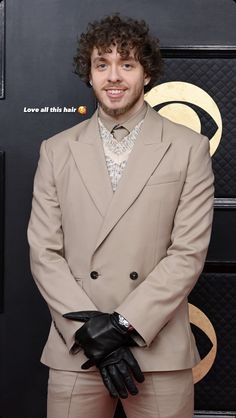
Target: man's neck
[119, 119]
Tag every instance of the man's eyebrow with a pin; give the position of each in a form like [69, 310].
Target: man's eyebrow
[102, 58]
[98, 59]
[129, 58]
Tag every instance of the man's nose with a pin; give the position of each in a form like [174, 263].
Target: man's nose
[114, 74]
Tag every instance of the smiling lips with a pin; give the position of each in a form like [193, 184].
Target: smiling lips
[115, 93]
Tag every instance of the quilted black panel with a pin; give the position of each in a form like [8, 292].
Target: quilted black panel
[218, 77]
[215, 295]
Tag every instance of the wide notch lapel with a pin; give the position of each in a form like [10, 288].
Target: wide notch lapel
[147, 153]
[89, 157]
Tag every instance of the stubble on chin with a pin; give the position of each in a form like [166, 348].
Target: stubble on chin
[115, 112]
[119, 111]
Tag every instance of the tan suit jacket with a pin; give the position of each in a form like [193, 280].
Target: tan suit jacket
[157, 224]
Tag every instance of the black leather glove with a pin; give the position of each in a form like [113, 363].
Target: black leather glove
[100, 335]
[117, 371]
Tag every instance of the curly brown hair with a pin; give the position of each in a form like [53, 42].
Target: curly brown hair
[126, 34]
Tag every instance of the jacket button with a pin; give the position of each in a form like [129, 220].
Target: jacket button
[94, 275]
[133, 275]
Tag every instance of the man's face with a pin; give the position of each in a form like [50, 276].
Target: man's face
[118, 83]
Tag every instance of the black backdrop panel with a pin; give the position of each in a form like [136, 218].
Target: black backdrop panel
[221, 247]
[2, 204]
[217, 76]
[2, 47]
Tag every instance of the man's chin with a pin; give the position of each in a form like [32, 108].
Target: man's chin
[114, 112]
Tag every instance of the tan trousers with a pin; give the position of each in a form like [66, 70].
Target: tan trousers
[83, 395]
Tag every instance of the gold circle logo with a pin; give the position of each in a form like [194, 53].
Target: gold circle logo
[178, 91]
[198, 318]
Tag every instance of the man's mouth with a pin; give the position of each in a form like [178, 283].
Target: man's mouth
[115, 92]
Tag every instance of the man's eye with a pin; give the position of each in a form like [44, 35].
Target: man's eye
[101, 66]
[127, 66]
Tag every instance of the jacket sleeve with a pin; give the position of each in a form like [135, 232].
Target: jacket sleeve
[48, 265]
[172, 279]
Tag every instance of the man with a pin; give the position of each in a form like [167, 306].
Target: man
[119, 230]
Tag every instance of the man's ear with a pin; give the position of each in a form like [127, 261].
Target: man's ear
[146, 80]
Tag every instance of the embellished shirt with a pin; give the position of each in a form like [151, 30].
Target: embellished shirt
[117, 152]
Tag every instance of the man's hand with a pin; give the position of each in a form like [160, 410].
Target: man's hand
[117, 371]
[100, 335]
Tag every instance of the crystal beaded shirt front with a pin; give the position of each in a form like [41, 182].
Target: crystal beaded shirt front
[117, 152]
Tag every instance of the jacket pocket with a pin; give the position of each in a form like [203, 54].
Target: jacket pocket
[164, 178]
